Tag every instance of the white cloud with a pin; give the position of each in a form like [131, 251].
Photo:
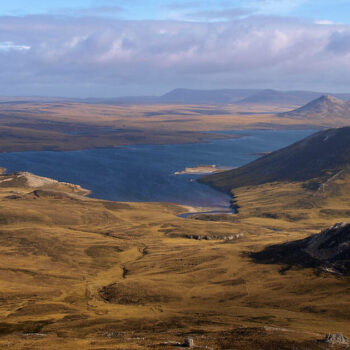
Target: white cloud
[107, 10]
[90, 56]
[275, 7]
[325, 22]
[9, 45]
[218, 15]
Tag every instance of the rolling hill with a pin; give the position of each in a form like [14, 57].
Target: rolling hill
[321, 156]
[324, 107]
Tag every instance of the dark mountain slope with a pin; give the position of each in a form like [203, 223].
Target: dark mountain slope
[320, 155]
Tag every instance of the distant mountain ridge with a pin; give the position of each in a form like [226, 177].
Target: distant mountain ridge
[197, 96]
[326, 106]
[280, 97]
[230, 96]
[187, 96]
[224, 96]
[320, 155]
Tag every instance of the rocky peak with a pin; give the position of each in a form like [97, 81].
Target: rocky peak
[326, 106]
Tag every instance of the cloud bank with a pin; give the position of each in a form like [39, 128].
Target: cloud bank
[94, 56]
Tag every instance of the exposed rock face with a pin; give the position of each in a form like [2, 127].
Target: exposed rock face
[331, 244]
[34, 181]
[336, 339]
[329, 250]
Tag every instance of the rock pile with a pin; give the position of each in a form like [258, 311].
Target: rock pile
[336, 339]
[215, 237]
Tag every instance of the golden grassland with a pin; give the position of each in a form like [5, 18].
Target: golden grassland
[71, 126]
[77, 272]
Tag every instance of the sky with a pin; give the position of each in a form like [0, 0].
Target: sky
[107, 48]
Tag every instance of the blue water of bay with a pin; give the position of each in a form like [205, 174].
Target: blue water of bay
[146, 172]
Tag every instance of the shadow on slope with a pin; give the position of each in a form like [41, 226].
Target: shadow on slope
[328, 250]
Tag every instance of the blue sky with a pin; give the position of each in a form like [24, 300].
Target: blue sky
[331, 10]
[101, 48]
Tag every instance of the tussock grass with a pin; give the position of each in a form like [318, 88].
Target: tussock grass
[96, 274]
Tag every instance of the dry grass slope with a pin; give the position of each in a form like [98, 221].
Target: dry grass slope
[79, 272]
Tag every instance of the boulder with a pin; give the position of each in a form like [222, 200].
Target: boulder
[336, 339]
[189, 343]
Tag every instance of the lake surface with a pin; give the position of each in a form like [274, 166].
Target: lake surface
[145, 172]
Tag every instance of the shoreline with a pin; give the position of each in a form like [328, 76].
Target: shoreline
[131, 144]
[232, 209]
[222, 135]
[37, 182]
[228, 205]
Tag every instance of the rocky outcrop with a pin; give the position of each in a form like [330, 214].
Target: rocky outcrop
[189, 343]
[331, 244]
[336, 340]
[215, 237]
[328, 250]
[29, 180]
